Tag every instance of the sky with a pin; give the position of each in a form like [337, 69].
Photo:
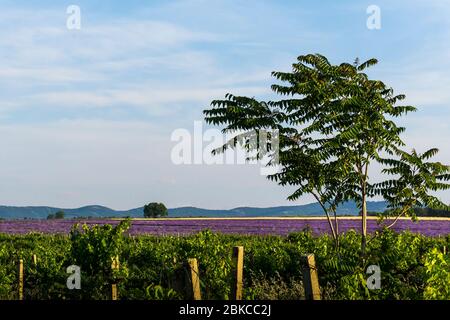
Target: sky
[87, 114]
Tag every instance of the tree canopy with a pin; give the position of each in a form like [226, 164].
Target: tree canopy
[333, 122]
[154, 210]
[57, 215]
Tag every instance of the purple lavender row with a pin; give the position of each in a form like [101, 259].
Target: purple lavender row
[229, 226]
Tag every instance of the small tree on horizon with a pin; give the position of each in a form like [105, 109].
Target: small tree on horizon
[57, 215]
[155, 210]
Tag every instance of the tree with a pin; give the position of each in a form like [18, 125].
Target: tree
[333, 124]
[57, 215]
[154, 210]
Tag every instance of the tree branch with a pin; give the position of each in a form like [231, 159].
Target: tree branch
[326, 212]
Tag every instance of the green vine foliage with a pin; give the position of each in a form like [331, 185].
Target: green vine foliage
[438, 270]
[214, 259]
[412, 266]
[94, 249]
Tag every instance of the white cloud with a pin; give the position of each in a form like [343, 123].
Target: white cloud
[154, 101]
[111, 64]
[47, 75]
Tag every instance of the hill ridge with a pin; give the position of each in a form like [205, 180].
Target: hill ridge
[99, 211]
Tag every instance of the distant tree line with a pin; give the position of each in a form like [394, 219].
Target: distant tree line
[421, 212]
[429, 212]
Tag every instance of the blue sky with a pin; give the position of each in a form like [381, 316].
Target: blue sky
[86, 115]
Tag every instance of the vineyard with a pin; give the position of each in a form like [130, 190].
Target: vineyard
[413, 265]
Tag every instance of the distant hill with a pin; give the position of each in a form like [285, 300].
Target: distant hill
[312, 209]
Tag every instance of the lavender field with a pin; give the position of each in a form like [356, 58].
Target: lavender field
[252, 226]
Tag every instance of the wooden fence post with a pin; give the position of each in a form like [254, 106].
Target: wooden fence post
[238, 262]
[34, 260]
[20, 288]
[114, 266]
[195, 279]
[310, 278]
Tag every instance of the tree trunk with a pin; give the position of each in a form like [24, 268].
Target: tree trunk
[364, 224]
[333, 232]
[336, 229]
[364, 211]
